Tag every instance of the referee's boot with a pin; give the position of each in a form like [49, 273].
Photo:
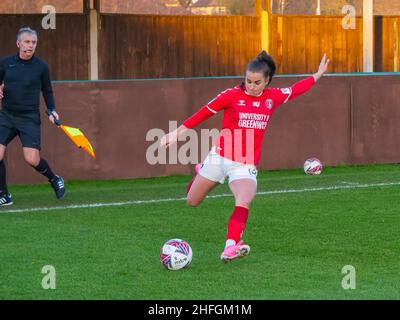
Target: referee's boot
[58, 185]
[6, 200]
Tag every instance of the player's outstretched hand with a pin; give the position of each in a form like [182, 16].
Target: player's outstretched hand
[169, 139]
[1, 91]
[323, 67]
[172, 137]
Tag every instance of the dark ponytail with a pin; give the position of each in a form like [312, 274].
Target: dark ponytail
[263, 63]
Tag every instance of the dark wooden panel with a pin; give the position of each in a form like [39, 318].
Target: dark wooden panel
[65, 49]
[375, 112]
[176, 46]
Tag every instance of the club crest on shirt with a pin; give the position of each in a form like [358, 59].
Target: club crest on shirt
[269, 103]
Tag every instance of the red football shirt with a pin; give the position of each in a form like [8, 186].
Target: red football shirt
[246, 118]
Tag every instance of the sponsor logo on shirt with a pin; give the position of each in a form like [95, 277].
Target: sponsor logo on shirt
[269, 103]
[256, 104]
[253, 120]
[242, 103]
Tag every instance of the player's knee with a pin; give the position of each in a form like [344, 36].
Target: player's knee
[32, 160]
[245, 203]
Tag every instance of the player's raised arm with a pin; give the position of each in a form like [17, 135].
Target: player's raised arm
[286, 94]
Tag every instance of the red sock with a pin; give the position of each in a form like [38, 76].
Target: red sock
[189, 185]
[237, 223]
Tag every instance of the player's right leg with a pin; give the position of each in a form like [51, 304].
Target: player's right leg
[243, 184]
[7, 133]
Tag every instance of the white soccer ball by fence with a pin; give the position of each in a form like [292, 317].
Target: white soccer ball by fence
[313, 166]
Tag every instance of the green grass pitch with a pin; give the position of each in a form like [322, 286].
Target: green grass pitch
[302, 231]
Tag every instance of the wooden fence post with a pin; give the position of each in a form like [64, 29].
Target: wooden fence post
[368, 35]
[396, 48]
[92, 8]
[262, 11]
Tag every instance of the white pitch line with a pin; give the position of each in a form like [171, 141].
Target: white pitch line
[262, 193]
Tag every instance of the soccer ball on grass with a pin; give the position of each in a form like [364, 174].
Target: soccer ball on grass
[176, 254]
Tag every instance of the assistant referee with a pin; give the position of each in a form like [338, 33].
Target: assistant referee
[22, 77]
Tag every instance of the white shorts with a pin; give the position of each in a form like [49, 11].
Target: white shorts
[217, 168]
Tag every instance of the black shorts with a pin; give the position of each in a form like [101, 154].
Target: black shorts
[26, 126]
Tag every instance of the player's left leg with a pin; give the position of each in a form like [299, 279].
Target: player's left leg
[32, 157]
[5, 196]
[7, 134]
[244, 191]
[29, 133]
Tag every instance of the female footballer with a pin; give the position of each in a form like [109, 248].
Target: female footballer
[236, 153]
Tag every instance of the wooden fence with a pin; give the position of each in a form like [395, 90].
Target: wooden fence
[132, 46]
[176, 46]
[298, 43]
